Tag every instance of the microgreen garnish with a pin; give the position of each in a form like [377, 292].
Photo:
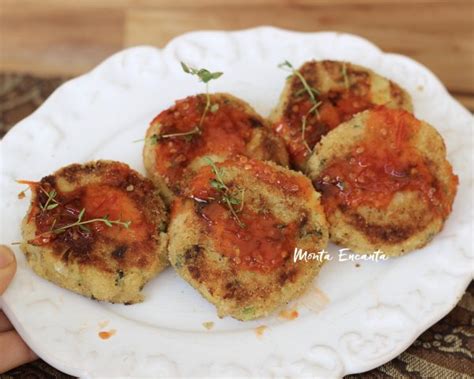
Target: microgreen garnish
[314, 108]
[344, 75]
[303, 131]
[312, 93]
[80, 222]
[204, 76]
[51, 202]
[53, 225]
[301, 91]
[154, 138]
[227, 198]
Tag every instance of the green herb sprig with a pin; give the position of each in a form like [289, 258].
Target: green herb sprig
[219, 184]
[80, 222]
[312, 93]
[51, 202]
[204, 76]
[303, 124]
[154, 138]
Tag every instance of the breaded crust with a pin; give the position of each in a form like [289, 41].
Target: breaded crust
[230, 126]
[247, 270]
[385, 182]
[340, 90]
[107, 260]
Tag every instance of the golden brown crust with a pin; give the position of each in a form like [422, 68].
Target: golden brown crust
[256, 141]
[344, 89]
[110, 263]
[239, 291]
[409, 221]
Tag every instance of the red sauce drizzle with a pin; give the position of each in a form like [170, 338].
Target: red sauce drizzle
[382, 164]
[289, 184]
[262, 245]
[265, 242]
[225, 131]
[98, 201]
[336, 107]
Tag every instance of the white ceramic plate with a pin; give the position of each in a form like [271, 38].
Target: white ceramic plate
[352, 320]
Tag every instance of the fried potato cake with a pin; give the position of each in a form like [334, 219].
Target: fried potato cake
[385, 182]
[96, 229]
[180, 136]
[234, 233]
[322, 94]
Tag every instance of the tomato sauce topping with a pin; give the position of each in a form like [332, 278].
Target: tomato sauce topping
[256, 241]
[225, 130]
[97, 201]
[263, 244]
[100, 200]
[291, 185]
[335, 108]
[382, 164]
